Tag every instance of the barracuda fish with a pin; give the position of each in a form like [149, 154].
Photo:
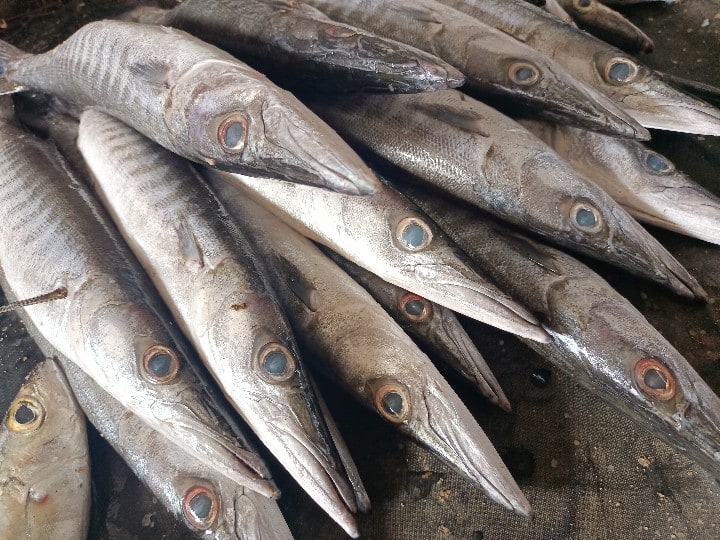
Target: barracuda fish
[209, 276]
[600, 339]
[209, 504]
[494, 63]
[645, 183]
[242, 122]
[388, 235]
[466, 148]
[44, 461]
[109, 322]
[555, 8]
[296, 43]
[619, 76]
[433, 326]
[608, 25]
[360, 346]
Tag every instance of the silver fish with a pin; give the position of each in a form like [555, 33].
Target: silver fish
[493, 62]
[600, 339]
[241, 122]
[555, 8]
[361, 347]
[619, 76]
[109, 324]
[388, 235]
[644, 182]
[466, 148]
[44, 461]
[433, 326]
[210, 278]
[608, 25]
[297, 44]
[207, 502]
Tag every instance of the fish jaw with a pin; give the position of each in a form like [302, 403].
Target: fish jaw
[445, 425]
[257, 518]
[315, 472]
[469, 360]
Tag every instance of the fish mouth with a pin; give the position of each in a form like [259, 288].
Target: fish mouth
[315, 471]
[642, 254]
[257, 518]
[471, 361]
[476, 298]
[659, 106]
[322, 158]
[449, 430]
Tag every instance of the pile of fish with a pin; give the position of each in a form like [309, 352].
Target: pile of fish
[194, 237]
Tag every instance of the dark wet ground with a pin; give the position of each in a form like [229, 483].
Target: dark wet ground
[586, 470]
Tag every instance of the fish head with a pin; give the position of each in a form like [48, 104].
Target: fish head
[636, 370]
[44, 459]
[585, 218]
[241, 125]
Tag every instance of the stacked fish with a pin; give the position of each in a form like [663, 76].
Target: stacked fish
[210, 220]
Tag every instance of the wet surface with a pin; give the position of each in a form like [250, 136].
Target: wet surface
[587, 471]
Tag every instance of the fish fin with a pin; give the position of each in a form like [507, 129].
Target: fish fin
[532, 253]
[192, 253]
[8, 55]
[418, 14]
[297, 283]
[152, 72]
[465, 120]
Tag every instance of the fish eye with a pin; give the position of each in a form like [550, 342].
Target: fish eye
[340, 31]
[583, 5]
[200, 507]
[232, 133]
[523, 73]
[160, 364]
[25, 415]
[276, 363]
[657, 163]
[413, 234]
[586, 217]
[620, 70]
[654, 379]
[414, 307]
[391, 401]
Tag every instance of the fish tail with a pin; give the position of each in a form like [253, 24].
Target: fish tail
[8, 55]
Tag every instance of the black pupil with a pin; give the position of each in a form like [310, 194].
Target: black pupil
[585, 3]
[392, 403]
[413, 235]
[24, 415]
[655, 380]
[585, 218]
[200, 506]
[234, 134]
[541, 377]
[160, 365]
[657, 163]
[275, 363]
[524, 74]
[414, 307]
[619, 71]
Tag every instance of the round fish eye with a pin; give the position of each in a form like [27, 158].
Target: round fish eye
[160, 364]
[391, 401]
[657, 163]
[232, 133]
[415, 308]
[25, 415]
[200, 507]
[620, 70]
[276, 363]
[654, 379]
[340, 31]
[586, 217]
[523, 73]
[583, 5]
[413, 234]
